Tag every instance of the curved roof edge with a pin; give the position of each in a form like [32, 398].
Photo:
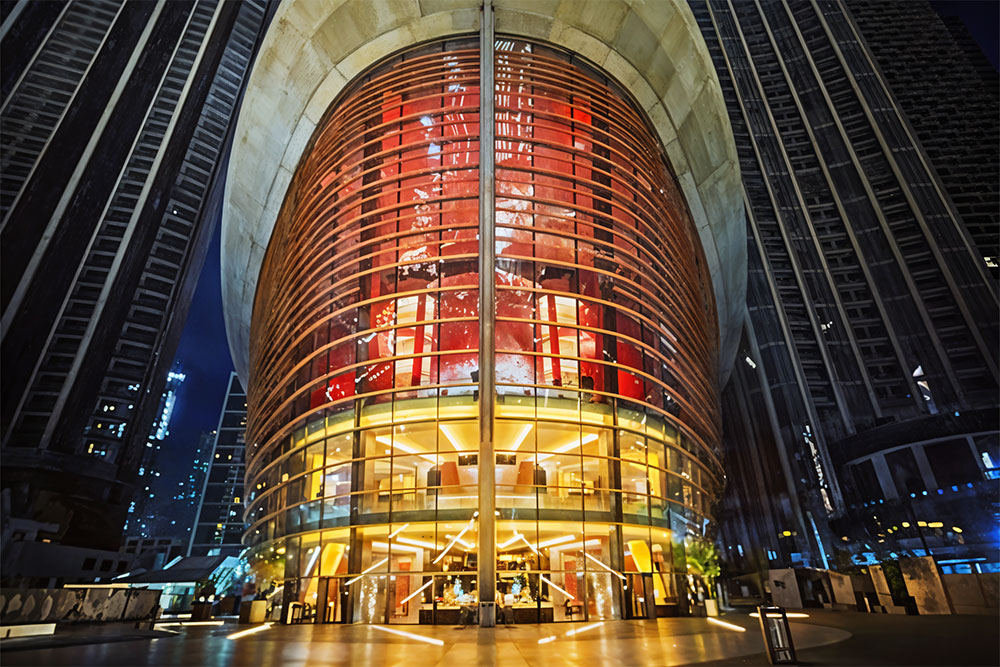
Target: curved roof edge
[314, 48]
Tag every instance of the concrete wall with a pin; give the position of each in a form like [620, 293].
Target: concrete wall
[60, 605]
[924, 583]
[784, 588]
[883, 591]
[972, 593]
[314, 48]
[843, 589]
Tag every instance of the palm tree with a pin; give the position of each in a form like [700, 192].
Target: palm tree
[703, 560]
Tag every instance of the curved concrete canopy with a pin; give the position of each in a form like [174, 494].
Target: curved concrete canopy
[314, 48]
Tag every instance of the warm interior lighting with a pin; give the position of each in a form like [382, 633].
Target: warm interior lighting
[384, 546]
[614, 572]
[556, 540]
[522, 434]
[364, 572]
[788, 614]
[578, 442]
[416, 592]
[454, 539]
[395, 444]
[935, 524]
[419, 543]
[723, 624]
[410, 635]
[249, 631]
[504, 545]
[561, 590]
[446, 429]
[398, 530]
[466, 545]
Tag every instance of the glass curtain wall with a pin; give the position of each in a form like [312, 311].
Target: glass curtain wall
[363, 460]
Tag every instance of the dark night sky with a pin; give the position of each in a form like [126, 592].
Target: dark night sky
[981, 18]
[203, 355]
[203, 352]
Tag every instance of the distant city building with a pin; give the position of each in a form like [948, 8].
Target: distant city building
[861, 420]
[152, 553]
[187, 498]
[218, 524]
[144, 513]
[116, 120]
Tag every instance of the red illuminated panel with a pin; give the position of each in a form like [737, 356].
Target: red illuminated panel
[369, 287]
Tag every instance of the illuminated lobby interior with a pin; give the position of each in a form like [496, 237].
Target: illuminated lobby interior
[364, 432]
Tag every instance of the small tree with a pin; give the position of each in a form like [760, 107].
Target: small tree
[703, 560]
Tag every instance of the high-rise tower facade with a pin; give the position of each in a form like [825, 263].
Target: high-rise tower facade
[116, 119]
[219, 519]
[862, 415]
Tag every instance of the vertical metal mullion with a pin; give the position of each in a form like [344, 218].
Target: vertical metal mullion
[487, 322]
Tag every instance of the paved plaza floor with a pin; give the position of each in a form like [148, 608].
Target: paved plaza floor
[825, 638]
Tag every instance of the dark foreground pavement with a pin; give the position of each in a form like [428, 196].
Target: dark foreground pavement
[825, 638]
[883, 639]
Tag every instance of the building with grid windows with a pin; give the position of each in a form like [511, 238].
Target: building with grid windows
[218, 522]
[861, 419]
[115, 120]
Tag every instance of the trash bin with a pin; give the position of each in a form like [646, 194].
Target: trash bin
[487, 614]
[253, 611]
[777, 636]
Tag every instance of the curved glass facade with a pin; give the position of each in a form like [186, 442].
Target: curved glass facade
[363, 453]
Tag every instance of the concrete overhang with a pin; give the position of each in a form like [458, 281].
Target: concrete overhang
[314, 48]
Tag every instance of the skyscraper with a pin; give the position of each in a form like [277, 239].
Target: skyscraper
[948, 92]
[143, 519]
[116, 120]
[218, 522]
[862, 414]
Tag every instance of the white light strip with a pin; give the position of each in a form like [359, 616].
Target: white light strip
[509, 542]
[576, 545]
[525, 430]
[546, 640]
[364, 572]
[614, 572]
[398, 530]
[590, 437]
[419, 543]
[723, 624]
[584, 629]
[400, 547]
[249, 631]
[187, 623]
[454, 539]
[530, 545]
[467, 545]
[312, 561]
[419, 638]
[561, 590]
[451, 438]
[556, 540]
[788, 614]
[386, 440]
[416, 592]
